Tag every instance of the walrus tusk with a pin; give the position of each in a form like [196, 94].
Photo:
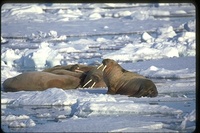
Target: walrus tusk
[104, 68]
[93, 84]
[79, 71]
[87, 83]
[99, 66]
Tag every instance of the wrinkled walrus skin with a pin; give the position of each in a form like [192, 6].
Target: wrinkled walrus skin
[121, 81]
[39, 81]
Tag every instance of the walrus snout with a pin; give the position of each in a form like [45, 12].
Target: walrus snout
[104, 63]
[108, 63]
[101, 66]
[94, 78]
[76, 68]
[88, 83]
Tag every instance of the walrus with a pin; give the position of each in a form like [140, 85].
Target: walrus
[82, 68]
[67, 72]
[74, 68]
[94, 78]
[121, 81]
[91, 76]
[39, 81]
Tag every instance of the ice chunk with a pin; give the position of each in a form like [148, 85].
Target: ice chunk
[22, 124]
[171, 52]
[95, 16]
[146, 37]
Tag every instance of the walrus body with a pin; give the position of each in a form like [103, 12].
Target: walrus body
[66, 72]
[121, 81]
[74, 68]
[64, 77]
[58, 67]
[33, 81]
[90, 75]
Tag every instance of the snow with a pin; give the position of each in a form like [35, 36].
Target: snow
[95, 16]
[154, 40]
[146, 37]
[20, 121]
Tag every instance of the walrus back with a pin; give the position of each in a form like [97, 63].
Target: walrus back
[39, 81]
[137, 88]
[148, 89]
[7, 85]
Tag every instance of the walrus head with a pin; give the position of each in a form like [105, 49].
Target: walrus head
[76, 68]
[106, 63]
[112, 72]
[94, 79]
[109, 63]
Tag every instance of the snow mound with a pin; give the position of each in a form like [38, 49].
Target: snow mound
[27, 9]
[22, 124]
[20, 121]
[140, 52]
[167, 44]
[55, 96]
[155, 72]
[146, 37]
[13, 117]
[84, 104]
[52, 96]
[95, 16]
[112, 108]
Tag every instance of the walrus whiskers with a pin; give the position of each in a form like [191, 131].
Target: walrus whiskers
[93, 85]
[99, 66]
[104, 68]
[87, 83]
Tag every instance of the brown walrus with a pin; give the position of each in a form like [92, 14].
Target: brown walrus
[73, 68]
[81, 68]
[121, 81]
[33, 81]
[66, 72]
[94, 78]
[91, 76]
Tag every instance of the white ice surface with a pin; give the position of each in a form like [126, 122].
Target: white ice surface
[143, 38]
